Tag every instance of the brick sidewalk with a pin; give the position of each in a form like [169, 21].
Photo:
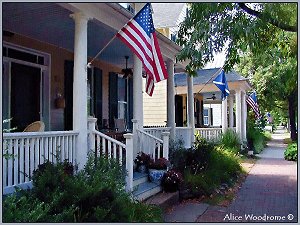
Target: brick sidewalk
[269, 192]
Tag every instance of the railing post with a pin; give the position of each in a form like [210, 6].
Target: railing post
[91, 128]
[135, 126]
[129, 161]
[165, 137]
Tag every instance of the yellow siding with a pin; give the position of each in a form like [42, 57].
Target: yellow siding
[155, 107]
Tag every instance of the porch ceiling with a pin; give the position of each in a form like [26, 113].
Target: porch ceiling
[51, 23]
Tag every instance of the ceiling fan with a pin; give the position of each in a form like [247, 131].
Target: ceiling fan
[127, 71]
[213, 97]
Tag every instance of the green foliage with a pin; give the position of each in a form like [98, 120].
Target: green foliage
[255, 136]
[177, 155]
[291, 152]
[230, 140]
[223, 167]
[209, 27]
[95, 194]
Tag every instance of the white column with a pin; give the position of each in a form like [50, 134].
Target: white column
[230, 103]
[190, 105]
[171, 99]
[238, 113]
[244, 117]
[224, 115]
[138, 91]
[138, 113]
[80, 87]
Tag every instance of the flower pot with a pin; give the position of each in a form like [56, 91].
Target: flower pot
[142, 168]
[156, 176]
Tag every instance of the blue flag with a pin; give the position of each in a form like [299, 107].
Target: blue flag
[221, 83]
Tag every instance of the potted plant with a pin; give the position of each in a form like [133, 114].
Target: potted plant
[157, 169]
[142, 161]
[171, 180]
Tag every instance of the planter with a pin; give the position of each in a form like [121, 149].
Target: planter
[156, 176]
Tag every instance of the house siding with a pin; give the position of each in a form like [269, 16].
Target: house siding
[155, 107]
[58, 56]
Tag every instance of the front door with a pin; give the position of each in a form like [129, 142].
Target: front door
[25, 95]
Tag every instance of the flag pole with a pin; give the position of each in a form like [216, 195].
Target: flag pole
[210, 79]
[108, 43]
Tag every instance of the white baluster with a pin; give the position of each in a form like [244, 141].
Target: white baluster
[31, 157]
[21, 158]
[5, 147]
[10, 162]
[27, 160]
[115, 150]
[16, 161]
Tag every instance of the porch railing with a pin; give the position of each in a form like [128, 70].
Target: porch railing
[157, 131]
[23, 152]
[104, 145]
[184, 134]
[152, 145]
[209, 133]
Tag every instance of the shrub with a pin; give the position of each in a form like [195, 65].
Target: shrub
[255, 137]
[94, 194]
[223, 166]
[231, 140]
[291, 152]
[177, 155]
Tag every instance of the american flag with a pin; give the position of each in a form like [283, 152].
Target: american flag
[139, 35]
[252, 101]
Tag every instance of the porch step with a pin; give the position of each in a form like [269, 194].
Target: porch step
[164, 200]
[139, 178]
[146, 190]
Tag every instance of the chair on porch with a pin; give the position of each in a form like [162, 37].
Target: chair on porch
[120, 125]
[37, 126]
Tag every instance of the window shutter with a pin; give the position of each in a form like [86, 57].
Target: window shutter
[68, 94]
[113, 98]
[98, 96]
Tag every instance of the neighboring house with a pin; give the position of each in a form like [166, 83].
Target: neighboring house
[166, 17]
[208, 104]
[46, 48]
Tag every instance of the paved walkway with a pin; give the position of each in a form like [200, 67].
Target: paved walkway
[269, 193]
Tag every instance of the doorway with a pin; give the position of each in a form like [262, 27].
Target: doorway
[25, 95]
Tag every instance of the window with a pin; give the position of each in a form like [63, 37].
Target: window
[122, 98]
[205, 117]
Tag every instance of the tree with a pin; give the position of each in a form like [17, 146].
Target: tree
[265, 32]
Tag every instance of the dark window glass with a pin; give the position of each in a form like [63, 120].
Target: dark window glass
[4, 52]
[15, 54]
[40, 60]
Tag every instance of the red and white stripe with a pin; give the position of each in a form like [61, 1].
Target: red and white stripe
[146, 48]
[254, 106]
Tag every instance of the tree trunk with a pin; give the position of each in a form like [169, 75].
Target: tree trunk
[292, 117]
